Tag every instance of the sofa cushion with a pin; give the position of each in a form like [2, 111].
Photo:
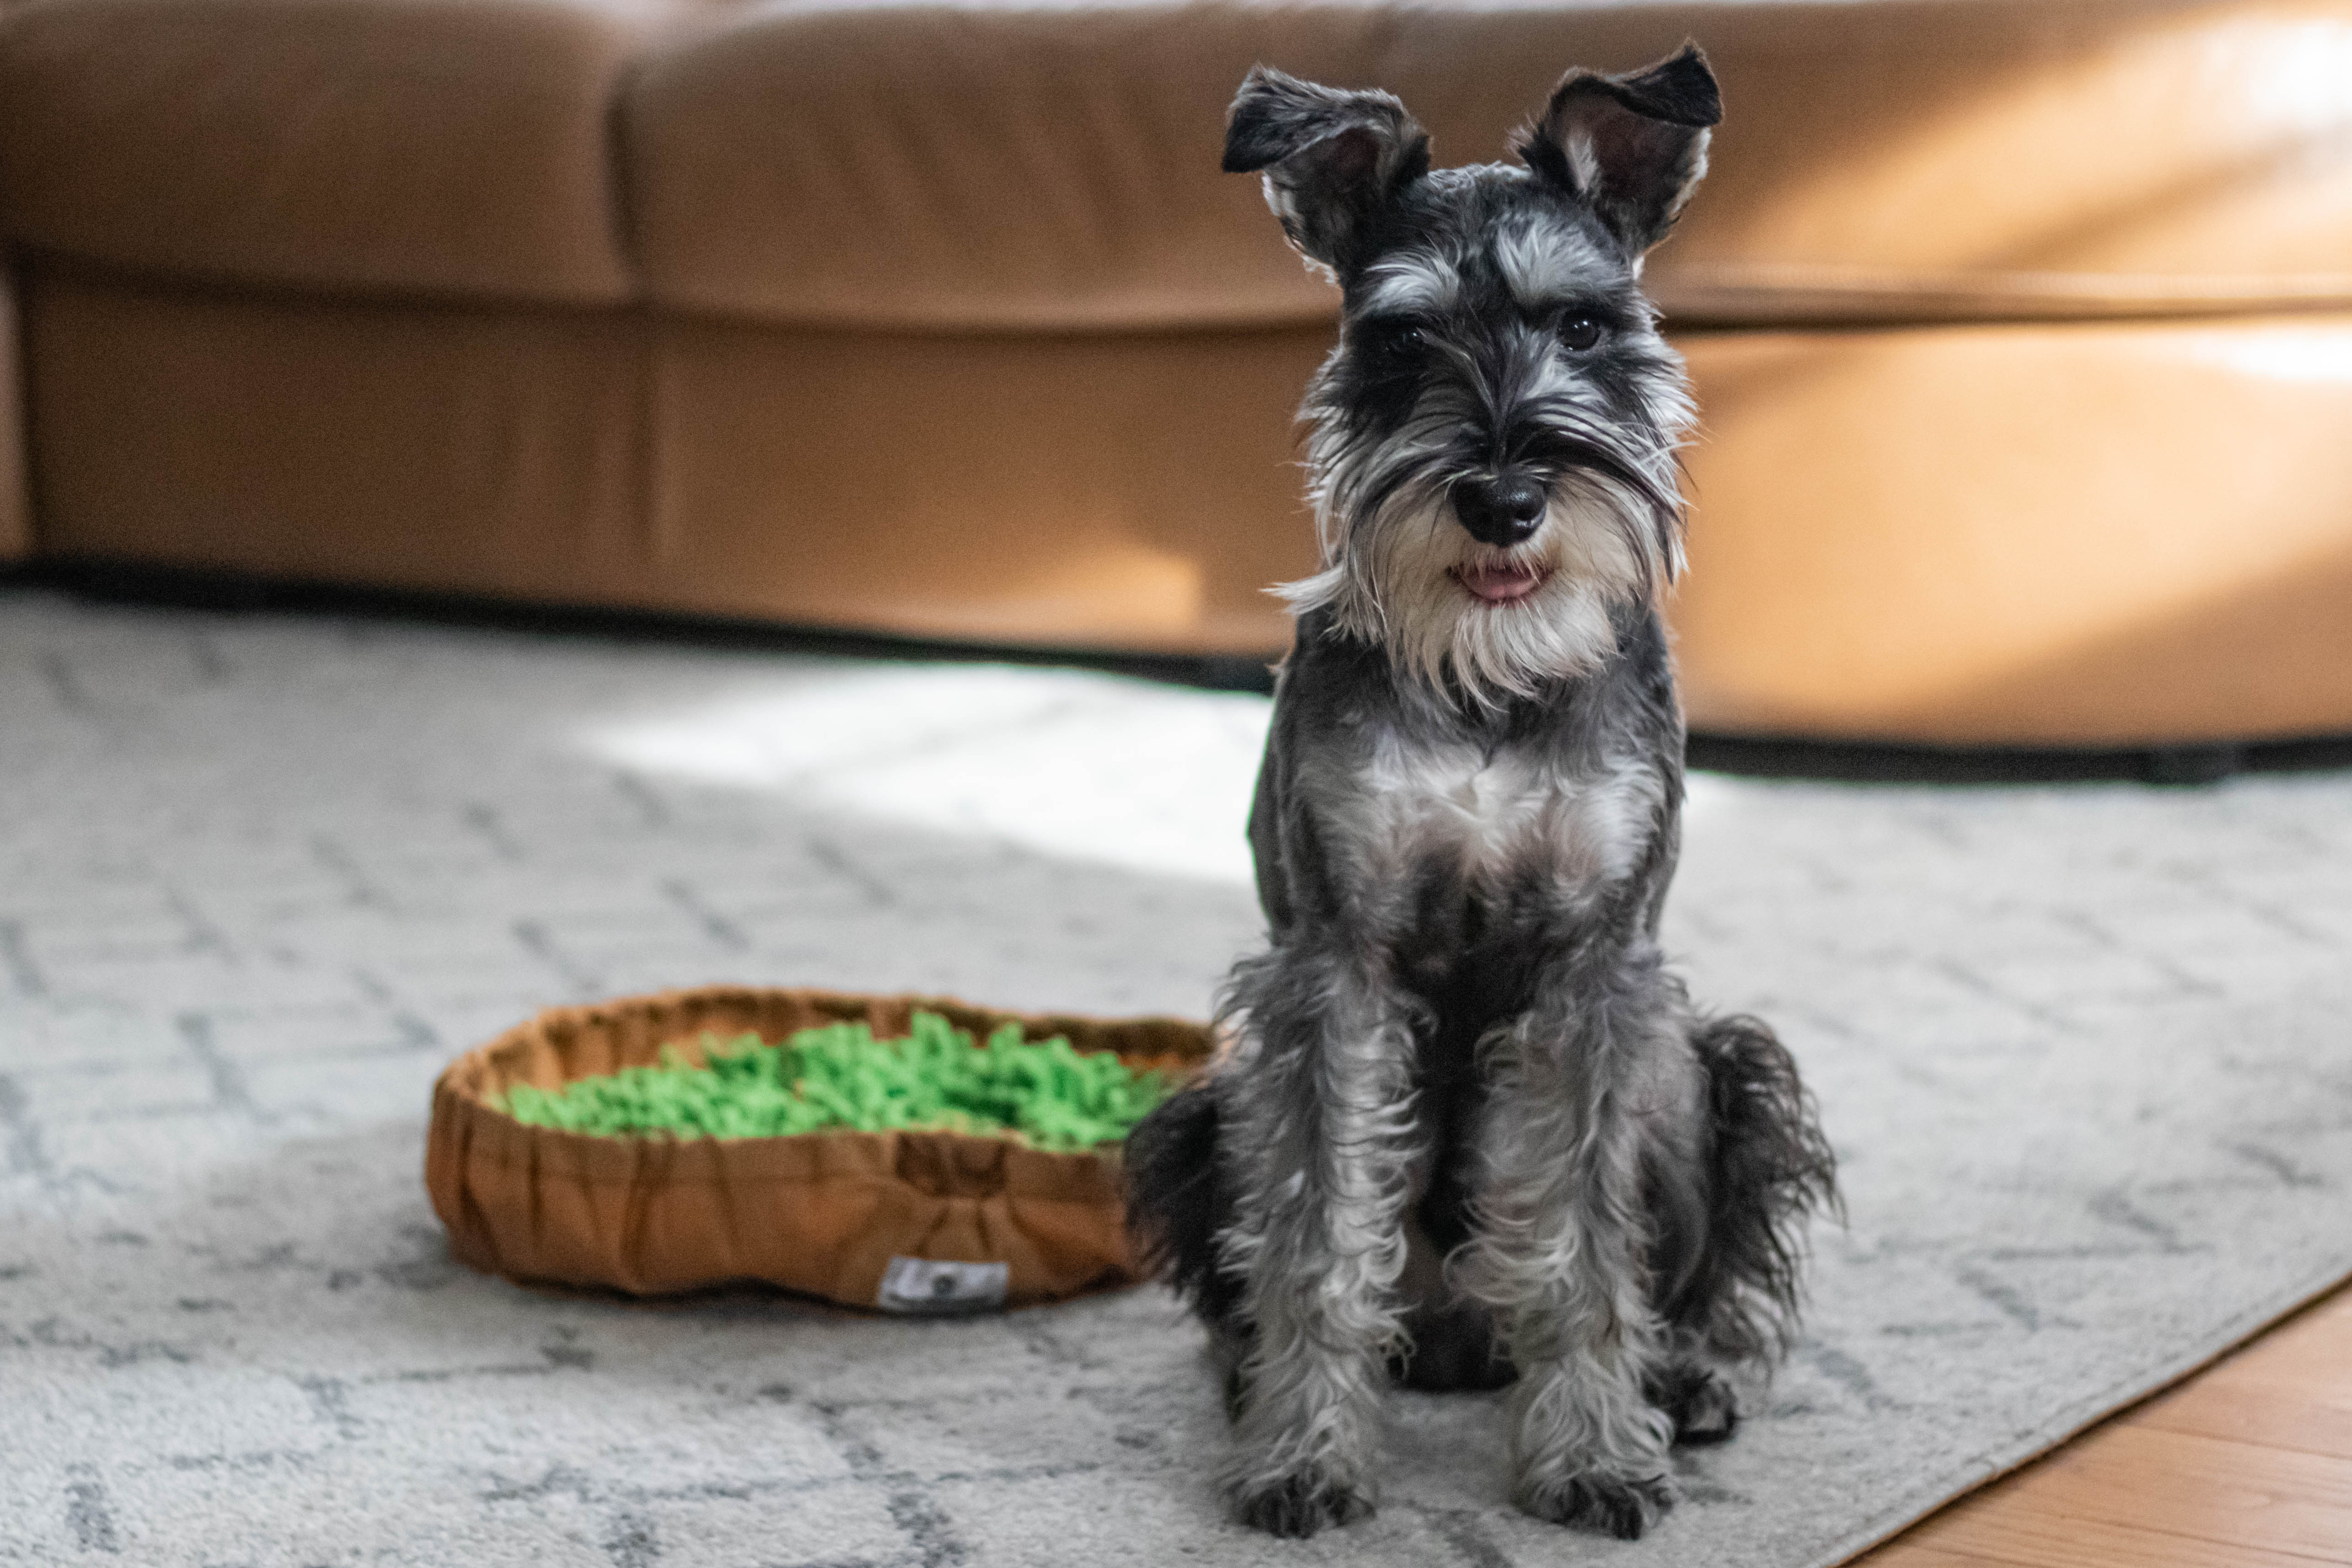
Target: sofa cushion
[945, 165]
[1023, 165]
[434, 146]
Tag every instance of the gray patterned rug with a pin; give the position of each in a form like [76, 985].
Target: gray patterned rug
[2084, 1052]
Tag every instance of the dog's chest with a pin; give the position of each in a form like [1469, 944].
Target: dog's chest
[1492, 817]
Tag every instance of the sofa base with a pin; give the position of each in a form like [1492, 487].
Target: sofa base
[1086, 492]
[15, 501]
[2113, 535]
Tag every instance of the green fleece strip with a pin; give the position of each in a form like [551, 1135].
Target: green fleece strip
[840, 1076]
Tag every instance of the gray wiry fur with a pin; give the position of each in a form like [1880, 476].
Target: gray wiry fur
[1469, 1130]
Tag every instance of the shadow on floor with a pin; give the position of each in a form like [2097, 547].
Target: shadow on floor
[1754, 756]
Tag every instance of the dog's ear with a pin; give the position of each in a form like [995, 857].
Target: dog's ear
[1633, 146]
[1332, 160]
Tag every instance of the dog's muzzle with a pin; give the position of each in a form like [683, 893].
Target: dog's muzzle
[1502, 511]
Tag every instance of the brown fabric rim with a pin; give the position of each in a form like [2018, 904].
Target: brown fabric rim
[822, 1213]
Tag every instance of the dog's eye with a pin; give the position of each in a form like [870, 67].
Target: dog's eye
[1393, 349]
[1578, 331]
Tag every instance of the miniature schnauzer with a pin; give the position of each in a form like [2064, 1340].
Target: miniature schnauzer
[1468, 1129]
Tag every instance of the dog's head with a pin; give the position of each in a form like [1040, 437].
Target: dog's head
[1493, 442]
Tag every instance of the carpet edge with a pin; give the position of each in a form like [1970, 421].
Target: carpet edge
[2064, 1428]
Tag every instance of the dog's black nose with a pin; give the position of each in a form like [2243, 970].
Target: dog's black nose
[1502, 510]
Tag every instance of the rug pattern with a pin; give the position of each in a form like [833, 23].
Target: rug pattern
[2083, 1052]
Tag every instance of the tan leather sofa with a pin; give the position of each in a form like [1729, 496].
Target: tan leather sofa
[2022, 327]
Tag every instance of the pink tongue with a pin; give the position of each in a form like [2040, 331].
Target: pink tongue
[1498, 585]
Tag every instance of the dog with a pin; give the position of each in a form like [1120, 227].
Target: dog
[1466, 1129]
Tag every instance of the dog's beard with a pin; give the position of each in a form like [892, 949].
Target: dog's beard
[1399, 567]
[1405, 578]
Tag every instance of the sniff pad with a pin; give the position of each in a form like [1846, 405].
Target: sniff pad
[925, 1220]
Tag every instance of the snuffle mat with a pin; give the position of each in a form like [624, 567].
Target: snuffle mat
[906, 1218]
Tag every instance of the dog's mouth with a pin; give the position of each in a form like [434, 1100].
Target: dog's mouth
[1501, 582]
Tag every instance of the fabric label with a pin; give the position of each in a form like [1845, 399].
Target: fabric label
[921, 1285]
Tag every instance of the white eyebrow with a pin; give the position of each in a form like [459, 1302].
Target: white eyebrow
[1541, 263]
[1415, 281]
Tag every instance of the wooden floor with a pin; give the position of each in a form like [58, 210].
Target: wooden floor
[2247, 1465]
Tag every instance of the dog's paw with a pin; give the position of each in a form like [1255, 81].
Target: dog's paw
[1298, 1505]
[1625, 1506]
[1703, 1407]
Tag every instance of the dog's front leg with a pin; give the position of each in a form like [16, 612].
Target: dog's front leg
[1582, 1080]
[1323, 1112]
